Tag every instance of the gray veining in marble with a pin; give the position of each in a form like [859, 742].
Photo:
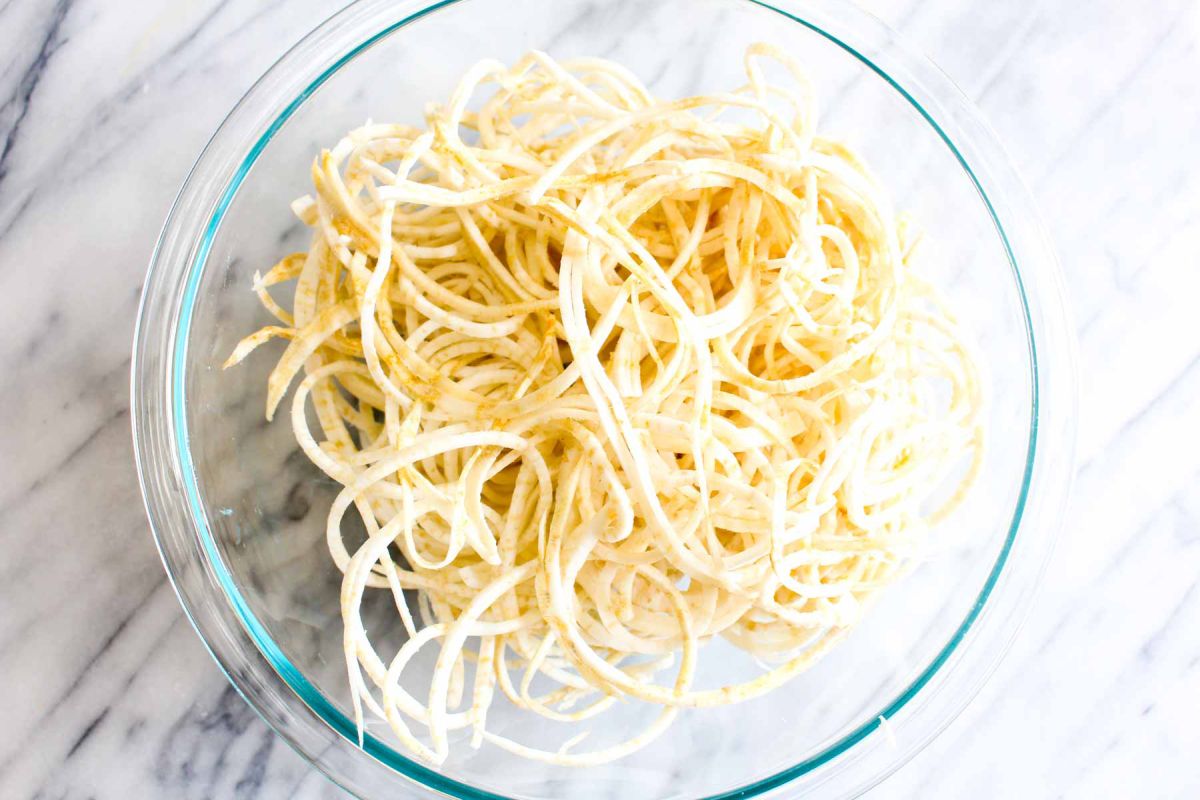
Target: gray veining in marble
[109, 694]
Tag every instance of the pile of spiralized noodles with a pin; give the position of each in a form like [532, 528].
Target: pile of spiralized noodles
[605, 377]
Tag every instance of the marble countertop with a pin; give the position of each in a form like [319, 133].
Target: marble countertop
[107, 691]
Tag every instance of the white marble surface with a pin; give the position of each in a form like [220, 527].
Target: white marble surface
[107, 692]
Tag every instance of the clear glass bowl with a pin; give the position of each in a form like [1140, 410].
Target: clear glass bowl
[238, 512]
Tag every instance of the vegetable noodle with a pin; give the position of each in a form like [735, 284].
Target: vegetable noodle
[605, 377]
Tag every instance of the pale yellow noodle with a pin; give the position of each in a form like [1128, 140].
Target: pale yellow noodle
[615, 376]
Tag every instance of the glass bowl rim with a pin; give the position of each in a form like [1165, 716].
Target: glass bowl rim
[149, 458]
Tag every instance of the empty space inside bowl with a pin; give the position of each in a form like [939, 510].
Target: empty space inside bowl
[265, 505]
